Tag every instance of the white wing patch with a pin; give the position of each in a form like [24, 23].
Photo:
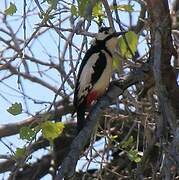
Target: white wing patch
[85, 78]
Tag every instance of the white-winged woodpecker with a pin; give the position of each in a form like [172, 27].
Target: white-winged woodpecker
[95, 72]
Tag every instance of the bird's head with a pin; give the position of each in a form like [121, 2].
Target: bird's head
[108, 37]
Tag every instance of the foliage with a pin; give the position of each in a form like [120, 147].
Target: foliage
[51, 130]
[11, 9]
[128, 44]
[27, 133]
[80, 9]
[124, 7]
[20, 153]
[15, 109]
[134, 156]
[132, 153]
[53, 4]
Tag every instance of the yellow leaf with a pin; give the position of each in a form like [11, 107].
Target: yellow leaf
[130, 46]
[51, 130]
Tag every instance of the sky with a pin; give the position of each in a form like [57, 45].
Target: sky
[46, 43]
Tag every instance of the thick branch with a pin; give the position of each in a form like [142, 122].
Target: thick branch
[165, 80]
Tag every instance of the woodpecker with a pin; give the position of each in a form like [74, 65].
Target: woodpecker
[95, 72]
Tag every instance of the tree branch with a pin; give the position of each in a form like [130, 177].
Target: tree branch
[165, 82]
[14, 128]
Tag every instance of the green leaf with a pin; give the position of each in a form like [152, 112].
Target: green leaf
[132, 40]
[113, 138]
[97, 10]
[82, 7]
[124, 7]
[51, 130]
[116, 64]
[74, 10]
[46, 16]
[11, 9]
[15, 109]
[20, 152]
[53, 4]
[128, 142]
[134, 156]
[27, 133]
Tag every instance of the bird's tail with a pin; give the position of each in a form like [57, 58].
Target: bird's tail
[80, 117]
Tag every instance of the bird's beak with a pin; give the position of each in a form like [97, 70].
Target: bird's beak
[116, 34]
